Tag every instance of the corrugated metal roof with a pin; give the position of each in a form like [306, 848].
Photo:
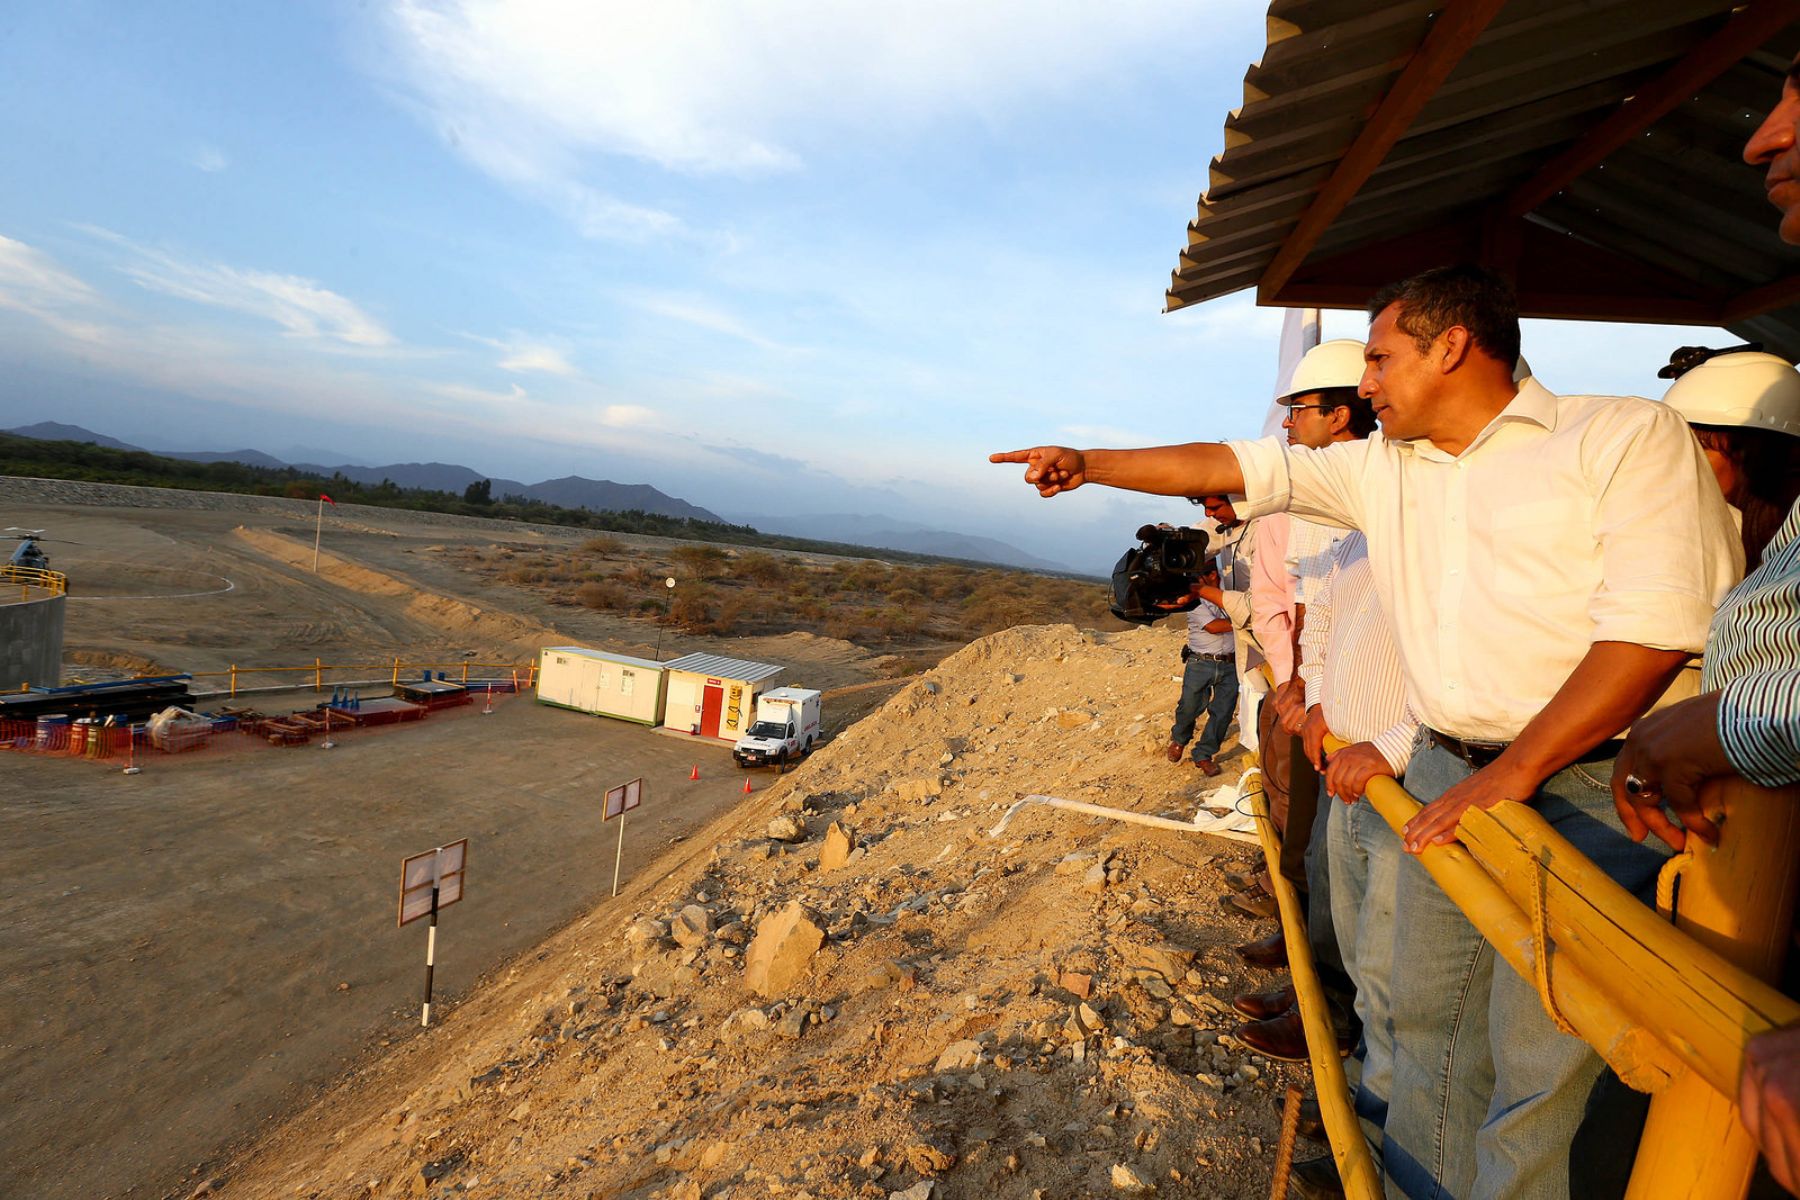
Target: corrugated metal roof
[608, 655]
[718, 666]
[1669, 224]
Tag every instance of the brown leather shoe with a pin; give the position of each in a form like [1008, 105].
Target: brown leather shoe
[1249, 904]
[1312, 1123]
[1282, 1037]
[1174, 752]
[1207, 766]
[1249, 881]
[1316, 1179]
[1269, 952]
[1260, 1006]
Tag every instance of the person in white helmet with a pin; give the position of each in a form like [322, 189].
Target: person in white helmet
[1744, 406]
[1539, 604]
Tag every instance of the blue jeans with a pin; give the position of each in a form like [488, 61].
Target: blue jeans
[1487, 1093]
[1364, 856]
[1209, 687]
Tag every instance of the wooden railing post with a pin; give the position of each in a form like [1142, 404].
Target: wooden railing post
[1738, 901]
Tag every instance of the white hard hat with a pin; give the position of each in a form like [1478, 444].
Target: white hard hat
[1749, 389]
[1334, 364]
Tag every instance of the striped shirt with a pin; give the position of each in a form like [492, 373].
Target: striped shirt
[1348, 659]
[1753, 654]
[1309, 556]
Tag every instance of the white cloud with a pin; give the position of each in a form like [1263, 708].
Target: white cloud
[531, 91]
[694, 312]
[33, 283]
[207, 158]
[519, 352]
[300, 306]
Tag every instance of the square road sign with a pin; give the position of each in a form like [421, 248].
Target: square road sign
[446, 865]
[623, 799]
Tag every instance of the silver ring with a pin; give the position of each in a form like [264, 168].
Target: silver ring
[1637, 787]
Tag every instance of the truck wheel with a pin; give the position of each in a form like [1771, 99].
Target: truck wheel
[781, 762]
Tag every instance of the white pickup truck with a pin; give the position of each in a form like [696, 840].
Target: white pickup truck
[786, 728]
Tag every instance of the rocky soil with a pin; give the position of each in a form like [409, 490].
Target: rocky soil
[850, 986]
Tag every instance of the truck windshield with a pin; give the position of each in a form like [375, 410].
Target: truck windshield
[768, 729]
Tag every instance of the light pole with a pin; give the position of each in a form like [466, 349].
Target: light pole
[668, 612]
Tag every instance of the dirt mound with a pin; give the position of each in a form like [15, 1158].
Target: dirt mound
[943, 1012]
[453, 618]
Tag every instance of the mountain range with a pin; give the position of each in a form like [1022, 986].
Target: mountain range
[602, 495]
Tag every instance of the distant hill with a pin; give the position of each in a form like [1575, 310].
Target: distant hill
[890, 534]
[250, 458]
[55, 431]
[572, 491]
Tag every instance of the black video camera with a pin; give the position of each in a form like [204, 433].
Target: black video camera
[1157, 578]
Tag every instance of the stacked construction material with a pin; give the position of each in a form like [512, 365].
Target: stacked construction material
[127, 701]
[434, 693]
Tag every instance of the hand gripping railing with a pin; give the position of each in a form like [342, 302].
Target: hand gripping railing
[1670, 1007]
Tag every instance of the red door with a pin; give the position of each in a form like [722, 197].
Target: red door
[712, 701]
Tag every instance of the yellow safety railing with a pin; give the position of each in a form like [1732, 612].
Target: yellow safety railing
[1669, 1006]
[525, 673]
[41, 578]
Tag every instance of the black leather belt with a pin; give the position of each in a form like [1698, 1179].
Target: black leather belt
[1480, 754]
[1212, 657]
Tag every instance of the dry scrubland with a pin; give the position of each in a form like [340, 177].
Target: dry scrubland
[733, 592]
[946, 1012]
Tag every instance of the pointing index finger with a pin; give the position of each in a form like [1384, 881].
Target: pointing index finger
[1010, 456]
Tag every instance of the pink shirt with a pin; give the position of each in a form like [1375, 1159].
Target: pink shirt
[1272, 594]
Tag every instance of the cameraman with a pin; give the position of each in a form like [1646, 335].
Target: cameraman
[1209, 680]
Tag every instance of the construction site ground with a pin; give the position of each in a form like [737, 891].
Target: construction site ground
[1044, 1012]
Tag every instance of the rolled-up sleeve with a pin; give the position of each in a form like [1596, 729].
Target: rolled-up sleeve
[1396, 741]
[1759, 726]
[1318, 484]
[1669, 552]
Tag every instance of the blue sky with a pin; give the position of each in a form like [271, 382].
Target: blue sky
[778, 256]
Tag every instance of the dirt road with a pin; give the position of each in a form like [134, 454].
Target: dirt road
[173, 945]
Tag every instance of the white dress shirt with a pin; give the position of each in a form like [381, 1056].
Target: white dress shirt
[1568, 520]
[1348, 659]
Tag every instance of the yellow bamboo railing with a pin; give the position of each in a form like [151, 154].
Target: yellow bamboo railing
[1670, 1007]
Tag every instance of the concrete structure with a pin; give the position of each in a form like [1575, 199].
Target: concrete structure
[31, 634]
[712, 696]
[600, 682]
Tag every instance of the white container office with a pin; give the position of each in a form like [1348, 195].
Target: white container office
[712, 696]
[597, 681]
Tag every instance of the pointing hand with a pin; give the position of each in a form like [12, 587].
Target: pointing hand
[1050, 469]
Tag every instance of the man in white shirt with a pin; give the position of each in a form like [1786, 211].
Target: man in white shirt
[1548, 563]
[1208, 680]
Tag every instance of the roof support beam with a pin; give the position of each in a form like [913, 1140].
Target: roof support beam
[1458, 26]
[1766, 298]
[1748, 28]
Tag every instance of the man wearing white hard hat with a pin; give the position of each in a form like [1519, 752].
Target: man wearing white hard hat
[1744, 406]
[1539, 606]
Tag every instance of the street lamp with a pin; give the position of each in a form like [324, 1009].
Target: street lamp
[668, 612]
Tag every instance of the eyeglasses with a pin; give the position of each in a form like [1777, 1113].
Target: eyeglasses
[1294, 408]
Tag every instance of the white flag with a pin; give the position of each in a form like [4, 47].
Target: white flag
[1299, 333]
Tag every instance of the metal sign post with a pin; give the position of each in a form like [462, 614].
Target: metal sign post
[429, 882]
[619, 801]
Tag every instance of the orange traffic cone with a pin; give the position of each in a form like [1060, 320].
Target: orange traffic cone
[695, 773]
[746, 785]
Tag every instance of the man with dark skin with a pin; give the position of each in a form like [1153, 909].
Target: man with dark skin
[1531, 631]
[1672, 753]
